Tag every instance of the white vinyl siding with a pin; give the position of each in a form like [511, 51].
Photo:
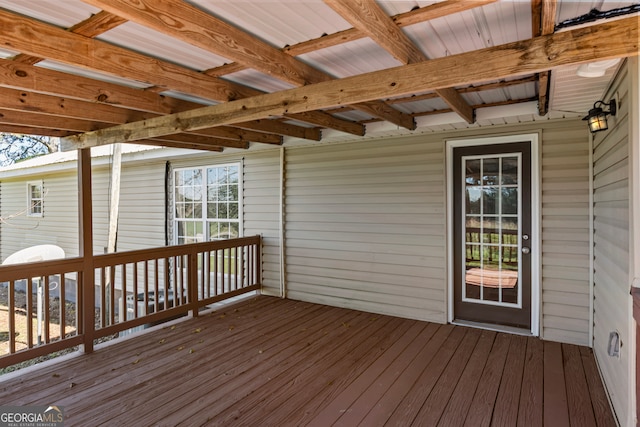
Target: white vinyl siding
[261, 212]
[58, 227]
[612, 301]
[365, 226]
[566, 305]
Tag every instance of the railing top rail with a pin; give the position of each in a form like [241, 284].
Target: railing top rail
[40, 268]
[106, 260]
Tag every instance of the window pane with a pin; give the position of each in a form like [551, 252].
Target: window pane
[490, 171]
[509, 170]
[472, 172]
[212, 210]
[473, 196]
[509, 200]
[233, 211]
[490, 200]
[234, 230]
[222, 211]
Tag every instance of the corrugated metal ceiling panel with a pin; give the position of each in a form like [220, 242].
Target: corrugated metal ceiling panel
[141, 39]
[65, 14]
[279, 23]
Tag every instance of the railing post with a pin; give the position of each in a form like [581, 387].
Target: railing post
[192, 277]
[258, 265]
[86, 281]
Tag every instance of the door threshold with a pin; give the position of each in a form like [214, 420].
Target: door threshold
[492, 327]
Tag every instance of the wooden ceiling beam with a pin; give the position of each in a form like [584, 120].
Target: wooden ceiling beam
[416, 16]
[92, 27]
[370, 19]
[607, 40]
[56, 83]
[37, 120]
[543, 23]
[196, 27]
[20, 100]
[26, 130]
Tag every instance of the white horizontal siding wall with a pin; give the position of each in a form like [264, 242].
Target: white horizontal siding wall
[261, 209]
[612, 304]
[365, 226]
[59, 223]
[566, 304]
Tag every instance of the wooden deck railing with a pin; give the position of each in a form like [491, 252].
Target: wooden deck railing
[132, 289]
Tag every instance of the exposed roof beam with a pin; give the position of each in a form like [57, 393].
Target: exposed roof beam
[371, 20]
[20, 100]
[602, 41]
[37, 121]
[194, 26]
[49, 42]
[422, 14]
[91, 27]
[51, 82]
[543, 23]
[26, 130]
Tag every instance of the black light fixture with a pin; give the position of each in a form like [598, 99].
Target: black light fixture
[597, 117]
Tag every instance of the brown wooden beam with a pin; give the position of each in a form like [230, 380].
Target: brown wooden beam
[370, 19]
[196, 27]
[94, 26]
[56, 83]
[602, 41]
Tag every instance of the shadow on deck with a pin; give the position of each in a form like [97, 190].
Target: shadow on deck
[272, 362]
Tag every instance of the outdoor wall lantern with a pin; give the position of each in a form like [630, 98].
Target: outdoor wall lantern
[597, 117]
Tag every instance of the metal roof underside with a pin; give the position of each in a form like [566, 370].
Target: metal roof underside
[303, 30]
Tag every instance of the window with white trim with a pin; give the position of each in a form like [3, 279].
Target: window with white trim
[35, 199]
[207, 203]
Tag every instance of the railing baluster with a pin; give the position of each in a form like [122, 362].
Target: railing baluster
[112, 294]
[12, 317]
[146, 287]
[28, 288]
[103, 298]
[46, 310]
[156, 287]
[62, 301]
[135, 293]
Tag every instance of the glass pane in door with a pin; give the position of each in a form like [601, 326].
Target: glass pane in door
[491, 210]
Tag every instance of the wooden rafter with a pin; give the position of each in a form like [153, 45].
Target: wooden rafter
[370, 19]
[97, 24]
[602, 41]
[194, 26]
[416, 16]
[543, 22]
[53, 43]
[44, 81]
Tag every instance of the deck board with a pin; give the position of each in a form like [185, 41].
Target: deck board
[268, 361]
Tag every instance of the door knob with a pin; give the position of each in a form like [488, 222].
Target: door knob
[526, 250]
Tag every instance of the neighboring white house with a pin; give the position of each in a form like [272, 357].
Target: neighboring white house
[371, 224]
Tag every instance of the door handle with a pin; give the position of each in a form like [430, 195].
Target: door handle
[525, 250]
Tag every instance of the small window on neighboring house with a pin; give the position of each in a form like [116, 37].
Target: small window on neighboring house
[207, 203]
[35, 199]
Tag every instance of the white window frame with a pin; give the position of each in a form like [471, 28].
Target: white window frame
[203, 219]
[32, 202]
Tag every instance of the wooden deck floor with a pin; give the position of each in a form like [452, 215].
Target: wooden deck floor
[272, 362]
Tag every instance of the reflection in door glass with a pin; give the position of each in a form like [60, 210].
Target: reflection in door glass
[491, 207]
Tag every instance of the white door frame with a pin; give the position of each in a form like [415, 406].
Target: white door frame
[535, 241]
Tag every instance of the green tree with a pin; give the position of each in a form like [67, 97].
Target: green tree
[15, 147]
